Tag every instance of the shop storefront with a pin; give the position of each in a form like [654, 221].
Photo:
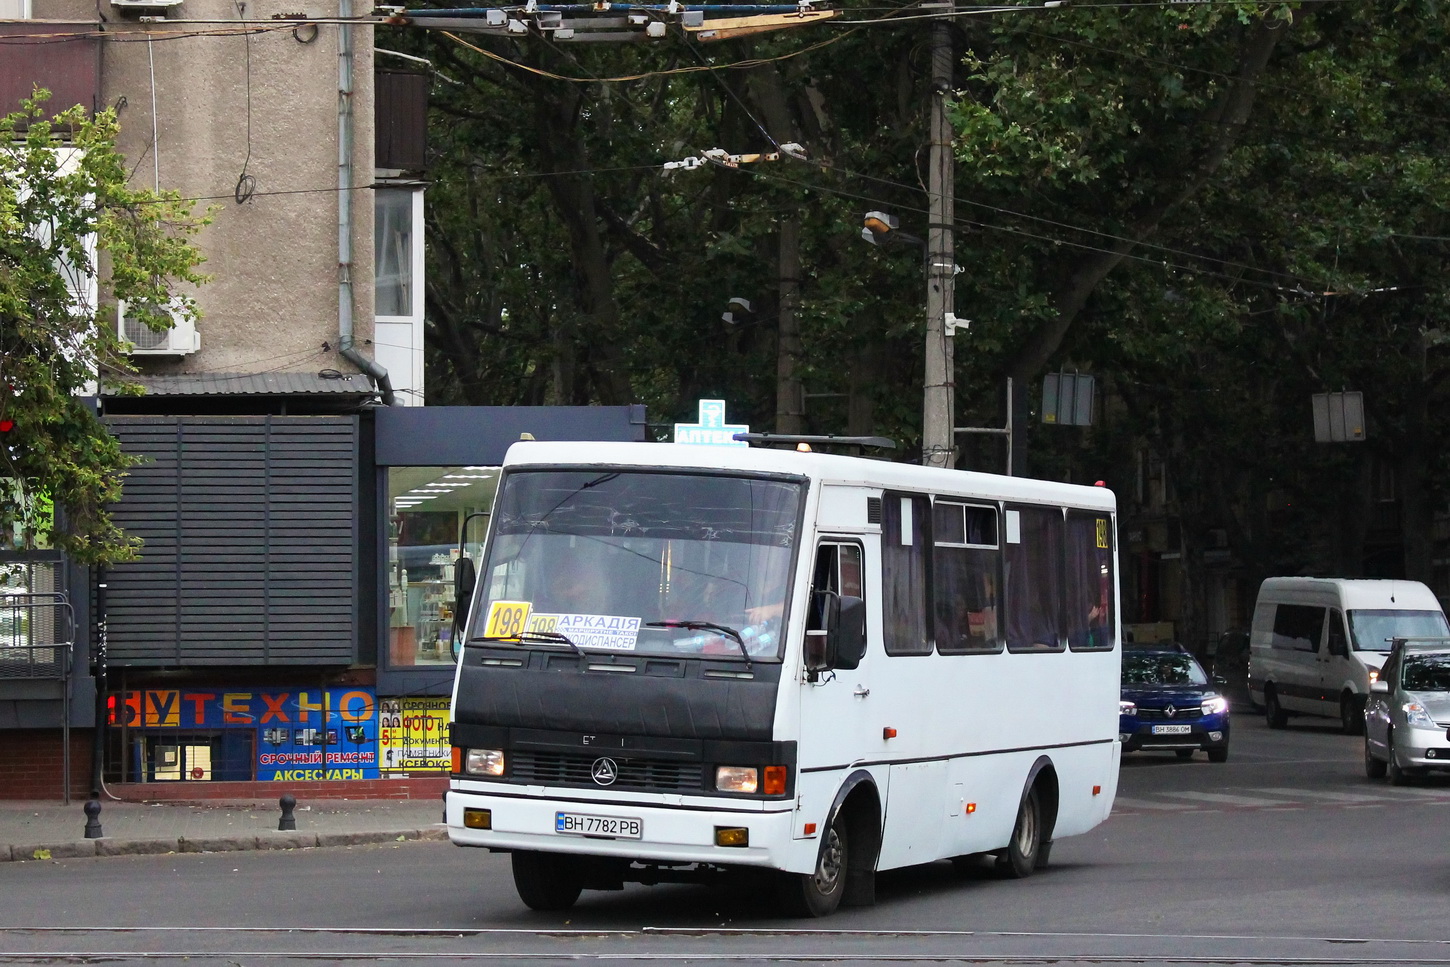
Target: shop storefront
[291, 617]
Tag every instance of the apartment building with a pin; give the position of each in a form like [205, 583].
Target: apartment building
[288, 625]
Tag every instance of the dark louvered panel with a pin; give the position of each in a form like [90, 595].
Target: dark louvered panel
[641, 774]
[250, 534]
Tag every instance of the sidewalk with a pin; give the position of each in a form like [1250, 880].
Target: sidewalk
[50, 830]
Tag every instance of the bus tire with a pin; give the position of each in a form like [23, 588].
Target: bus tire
[1020, 857]
[546, 881]
[818, 893]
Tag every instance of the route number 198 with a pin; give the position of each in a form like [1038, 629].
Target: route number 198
[506, 619]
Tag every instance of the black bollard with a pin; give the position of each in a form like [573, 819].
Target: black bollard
[93, 819]
[288, 821]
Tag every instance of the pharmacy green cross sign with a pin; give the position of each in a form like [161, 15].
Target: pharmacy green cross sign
[712, 428]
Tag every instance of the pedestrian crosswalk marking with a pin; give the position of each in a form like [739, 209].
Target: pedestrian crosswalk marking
[1128, 803]
[1228, 800]
[1276, 797]
[1327, 796]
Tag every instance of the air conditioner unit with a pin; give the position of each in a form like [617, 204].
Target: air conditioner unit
[181, 339]
[138, 6]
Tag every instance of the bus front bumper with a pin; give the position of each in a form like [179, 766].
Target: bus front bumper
[644, 832]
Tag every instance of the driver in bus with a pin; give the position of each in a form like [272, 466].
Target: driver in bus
[571, 588]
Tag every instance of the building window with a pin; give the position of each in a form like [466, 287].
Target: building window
[398, 288]
[395, 237]
[429, 509]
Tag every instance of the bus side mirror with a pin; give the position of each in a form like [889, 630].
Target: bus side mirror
[836, 633]
[464, 578]
[848, 635]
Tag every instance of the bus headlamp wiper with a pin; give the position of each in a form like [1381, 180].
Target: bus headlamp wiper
[725, 630]
[526, 637]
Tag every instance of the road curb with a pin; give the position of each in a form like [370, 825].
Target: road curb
[28, 852]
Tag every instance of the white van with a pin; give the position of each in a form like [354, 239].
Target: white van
[1318, 643]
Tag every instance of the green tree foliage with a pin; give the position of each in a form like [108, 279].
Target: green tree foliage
[1224, 209]
[567, 265]
[1219, 209]
[64, 198]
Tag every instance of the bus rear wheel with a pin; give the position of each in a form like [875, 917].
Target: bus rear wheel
[546, 881]
[1020, 857]
[818, 894]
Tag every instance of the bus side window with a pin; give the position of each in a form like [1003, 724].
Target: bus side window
[1034, 556]
[1089, 589]
[838, 570]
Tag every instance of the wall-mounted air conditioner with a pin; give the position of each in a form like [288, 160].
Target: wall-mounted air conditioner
[181, 339]
[144, 6]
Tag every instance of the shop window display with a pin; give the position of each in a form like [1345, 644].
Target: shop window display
[430, 508]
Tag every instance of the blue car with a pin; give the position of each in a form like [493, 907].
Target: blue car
[1169, 705]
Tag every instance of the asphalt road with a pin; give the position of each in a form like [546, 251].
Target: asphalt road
[1286, 854]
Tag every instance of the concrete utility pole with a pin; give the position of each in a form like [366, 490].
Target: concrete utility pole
[938, 442]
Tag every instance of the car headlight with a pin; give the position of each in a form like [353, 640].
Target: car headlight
[1215, 705]
[1417, 718]
[484, 762]
[1127, 708]
[737, 778]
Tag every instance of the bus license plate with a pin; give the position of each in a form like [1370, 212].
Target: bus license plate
[579, 824]
[1172, 729]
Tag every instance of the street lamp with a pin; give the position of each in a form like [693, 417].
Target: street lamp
[938, 441]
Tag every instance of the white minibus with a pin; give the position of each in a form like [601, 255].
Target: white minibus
[688, 661]
[1317, 644]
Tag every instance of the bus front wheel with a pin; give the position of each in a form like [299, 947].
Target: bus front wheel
[1020, 857]
[818, 893]
[546, 881]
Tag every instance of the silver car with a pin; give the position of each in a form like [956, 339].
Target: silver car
[1407, 717]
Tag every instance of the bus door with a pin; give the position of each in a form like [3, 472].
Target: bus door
[838, 725]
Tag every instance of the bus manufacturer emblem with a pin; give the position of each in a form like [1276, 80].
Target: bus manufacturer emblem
[604, 771]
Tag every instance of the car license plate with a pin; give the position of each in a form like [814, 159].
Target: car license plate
[1172, 729]
[579, 824]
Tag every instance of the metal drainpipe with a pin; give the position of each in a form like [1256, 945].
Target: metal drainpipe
[344, 211]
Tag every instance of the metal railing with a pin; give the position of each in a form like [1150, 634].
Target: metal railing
[37, 641]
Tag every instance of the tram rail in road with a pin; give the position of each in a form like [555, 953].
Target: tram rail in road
[266, 946]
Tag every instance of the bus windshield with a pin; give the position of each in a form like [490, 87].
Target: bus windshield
[650, 562]
[1374, 630]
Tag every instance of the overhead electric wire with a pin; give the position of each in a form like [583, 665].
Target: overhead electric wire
[1298, 289]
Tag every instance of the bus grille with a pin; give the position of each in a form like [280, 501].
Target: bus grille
[646, 775]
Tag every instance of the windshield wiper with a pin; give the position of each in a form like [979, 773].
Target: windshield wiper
[536, 637]
[725, 630]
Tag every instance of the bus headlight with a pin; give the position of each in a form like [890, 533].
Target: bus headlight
[737, 779]
[483, 762]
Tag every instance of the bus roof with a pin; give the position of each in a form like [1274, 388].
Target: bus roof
[822, 467]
